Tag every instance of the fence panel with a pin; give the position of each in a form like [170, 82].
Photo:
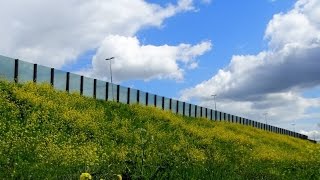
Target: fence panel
[218, 116]
[101, 90]
[151, 99]
[88, 87]
[180, 107]
[133, 96]
[198, 111]
[210, 114]
[187, 109]
[142, 98]
[214, 115]
[6, 68]
[112, 92]
[25, 72]
[44, 74]
[193, 110]
[174, 106]
[166, 104]
[74, 83]
[123, 94]
[159, 102]
[60, 80]
[203, 112]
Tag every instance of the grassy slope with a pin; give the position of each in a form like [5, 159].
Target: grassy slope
[55, 135]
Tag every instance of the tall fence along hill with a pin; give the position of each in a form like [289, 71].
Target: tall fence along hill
[20, 71]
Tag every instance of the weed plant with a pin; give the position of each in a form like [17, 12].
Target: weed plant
[49, 134]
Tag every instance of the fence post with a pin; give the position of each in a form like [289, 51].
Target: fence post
[81, 85]
[177, 106]
[107, 91]
[147, 99]
[67, 81]
[138, 96]
[118, 93]
[162, 103]
[35, 72]
[183, 108]
[189, 110]
[155, 100]
[94, 88]
[128, 96]
[16, 70]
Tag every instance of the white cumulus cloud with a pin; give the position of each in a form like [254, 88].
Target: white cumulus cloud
[144, 62]
[273, 80]
[313, 134]
[55, 33]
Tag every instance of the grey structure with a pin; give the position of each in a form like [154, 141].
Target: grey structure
[19, 71]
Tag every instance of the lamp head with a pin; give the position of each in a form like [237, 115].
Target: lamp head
[108, 59]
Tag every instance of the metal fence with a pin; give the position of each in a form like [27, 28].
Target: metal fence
[19, 71]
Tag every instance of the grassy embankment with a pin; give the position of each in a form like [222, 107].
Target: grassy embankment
[55, 135]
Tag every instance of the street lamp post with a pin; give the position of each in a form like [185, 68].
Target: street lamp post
[214, 98]
[265, 117]
[294, 126]
[109, 59]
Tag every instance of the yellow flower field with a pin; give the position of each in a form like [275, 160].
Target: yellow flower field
[47, 134]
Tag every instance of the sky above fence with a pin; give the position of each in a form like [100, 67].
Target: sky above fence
[258, 57]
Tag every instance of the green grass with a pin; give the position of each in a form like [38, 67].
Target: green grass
[47, 134]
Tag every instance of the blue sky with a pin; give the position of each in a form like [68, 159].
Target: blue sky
[234, 27]
[257, 56]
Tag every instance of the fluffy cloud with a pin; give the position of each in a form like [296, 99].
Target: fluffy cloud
[272, 80]
[136, 61]
[314, 134]
[54, 33]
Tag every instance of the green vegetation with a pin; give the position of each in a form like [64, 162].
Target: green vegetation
[47, 134]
